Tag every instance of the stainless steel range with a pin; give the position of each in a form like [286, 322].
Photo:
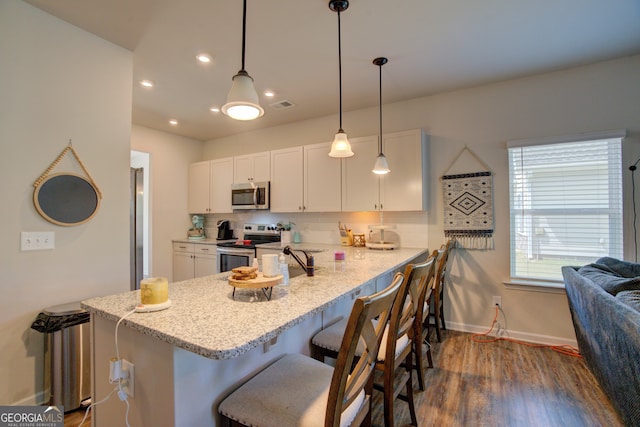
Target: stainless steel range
[243, 251]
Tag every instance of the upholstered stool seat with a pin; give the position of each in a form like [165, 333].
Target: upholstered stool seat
[330, 338]
[300, 398]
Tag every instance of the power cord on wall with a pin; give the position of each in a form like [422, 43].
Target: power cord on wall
[122, 393]
[486, 338]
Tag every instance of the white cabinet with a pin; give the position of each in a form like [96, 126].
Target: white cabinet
[191, 260]
[287, 180]
[305, 179]
[252, 167]
[403, 189]
[360, 186]
[220, 185]
[210, 186]
[322, 179]
[198, 195]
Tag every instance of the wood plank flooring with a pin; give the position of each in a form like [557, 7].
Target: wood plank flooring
[496, 384]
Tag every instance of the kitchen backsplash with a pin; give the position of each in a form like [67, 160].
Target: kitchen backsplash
[411, 228]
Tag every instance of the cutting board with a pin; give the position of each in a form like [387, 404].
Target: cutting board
[258, 282]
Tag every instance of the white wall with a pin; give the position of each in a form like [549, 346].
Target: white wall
[170, 156]
[58, 82]
[596, 97]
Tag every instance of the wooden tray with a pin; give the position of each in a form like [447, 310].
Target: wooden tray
[257, 283]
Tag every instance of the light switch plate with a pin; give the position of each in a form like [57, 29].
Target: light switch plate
[37, 240]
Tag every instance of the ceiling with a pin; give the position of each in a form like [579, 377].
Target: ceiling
[292, 49]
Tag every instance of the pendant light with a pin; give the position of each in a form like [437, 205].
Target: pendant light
[340, 146]
[381, 166]
[242, 101]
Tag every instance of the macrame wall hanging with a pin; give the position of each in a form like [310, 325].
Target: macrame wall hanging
[468, 206]
[66, 198]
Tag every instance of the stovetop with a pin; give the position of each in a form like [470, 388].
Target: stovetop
[254, 234]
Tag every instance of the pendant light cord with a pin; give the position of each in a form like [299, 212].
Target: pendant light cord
[244, 30]
[339, 69]
[380, 66]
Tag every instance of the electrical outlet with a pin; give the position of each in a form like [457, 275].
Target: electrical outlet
[37, 240]
[128, 373]
[497, 300]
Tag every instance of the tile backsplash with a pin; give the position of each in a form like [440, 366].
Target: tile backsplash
[411, 228]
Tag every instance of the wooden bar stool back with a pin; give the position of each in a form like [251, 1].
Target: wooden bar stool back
[437, 312]
[423, 275]
[393, 353]
[299, 391]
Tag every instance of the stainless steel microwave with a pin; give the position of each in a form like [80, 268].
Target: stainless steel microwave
[250, 195]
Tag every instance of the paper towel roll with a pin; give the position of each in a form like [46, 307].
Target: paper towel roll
[270, 265]
[154, 290]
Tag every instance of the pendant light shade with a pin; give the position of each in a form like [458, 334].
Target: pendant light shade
[340, 146]
[242, 101]
[381, 167]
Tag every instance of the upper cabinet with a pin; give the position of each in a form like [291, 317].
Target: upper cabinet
[360, 186]
[286, 180]
[322, 179]
[402, 189]
[252, 167]
[210, 186]
[305, 179]
[220, 185]
[198, 196]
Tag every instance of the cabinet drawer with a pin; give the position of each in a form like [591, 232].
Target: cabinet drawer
[183, 247]
[205, 249]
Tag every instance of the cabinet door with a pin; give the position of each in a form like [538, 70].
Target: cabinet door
[262, 166]
[252, 167]
[242, 169]
[220, 185]
[404, 188]
[198, 194]
[322, 179]
[182, 266]
[286, 180]
[359, 184]
[205, 261]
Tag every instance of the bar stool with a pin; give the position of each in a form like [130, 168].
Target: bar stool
[437, 314]
[396, 352]
[298, 391]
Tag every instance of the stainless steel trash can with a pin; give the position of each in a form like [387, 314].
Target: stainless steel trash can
[67, 355]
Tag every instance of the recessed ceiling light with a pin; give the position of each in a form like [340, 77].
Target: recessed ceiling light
[205, 58]
[146, 83]
[269, 93]
[214, 109]
[173, 122]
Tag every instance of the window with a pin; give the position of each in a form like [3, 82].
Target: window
[565, 203]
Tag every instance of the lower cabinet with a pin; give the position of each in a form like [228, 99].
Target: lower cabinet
[191, 260]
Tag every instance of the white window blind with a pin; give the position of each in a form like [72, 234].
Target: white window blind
[565, 204]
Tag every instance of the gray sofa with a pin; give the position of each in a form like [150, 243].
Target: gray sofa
[604, 300]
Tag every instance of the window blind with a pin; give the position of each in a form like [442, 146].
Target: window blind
[565, 205]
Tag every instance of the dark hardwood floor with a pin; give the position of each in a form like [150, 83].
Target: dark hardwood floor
[496, 384]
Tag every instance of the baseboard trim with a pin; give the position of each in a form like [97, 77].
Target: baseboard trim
[518, 335]
[39, 398]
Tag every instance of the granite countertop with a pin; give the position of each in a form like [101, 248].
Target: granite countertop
[204, 319]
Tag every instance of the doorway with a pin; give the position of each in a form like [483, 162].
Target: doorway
[139, 218]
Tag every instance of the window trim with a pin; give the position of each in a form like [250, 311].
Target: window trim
[550, 285]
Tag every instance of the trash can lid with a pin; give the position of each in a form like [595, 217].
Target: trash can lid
[64, 309]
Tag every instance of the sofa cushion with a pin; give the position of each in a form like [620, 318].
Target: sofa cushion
[609, 279]
[621, 267]
[630, 298]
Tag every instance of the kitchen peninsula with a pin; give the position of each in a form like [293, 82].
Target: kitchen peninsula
[188, 357]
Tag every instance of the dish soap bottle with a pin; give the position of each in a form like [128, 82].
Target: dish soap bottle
[284, 269]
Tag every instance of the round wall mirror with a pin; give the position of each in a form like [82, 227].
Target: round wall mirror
[66, 199]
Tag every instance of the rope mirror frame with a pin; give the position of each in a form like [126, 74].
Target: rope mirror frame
[66, 199]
